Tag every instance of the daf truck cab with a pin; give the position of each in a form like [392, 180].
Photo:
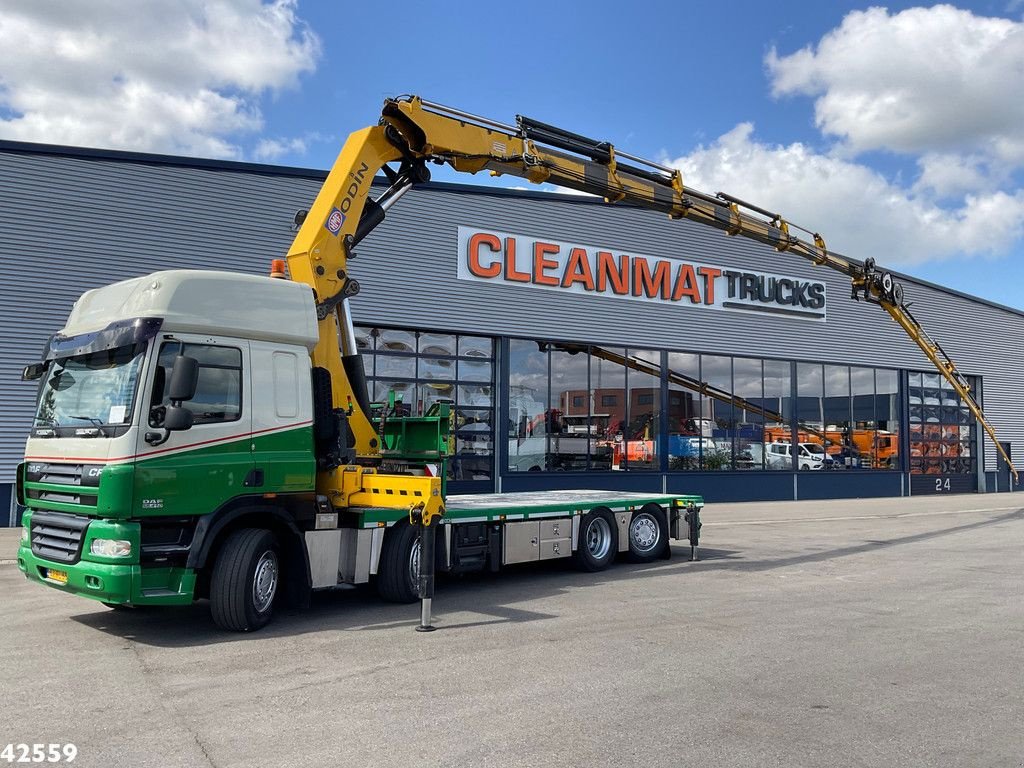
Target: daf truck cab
[164, 395]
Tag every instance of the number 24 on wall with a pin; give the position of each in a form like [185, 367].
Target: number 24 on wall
[941, 485]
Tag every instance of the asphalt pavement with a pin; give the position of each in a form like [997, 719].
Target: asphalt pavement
[842, 633]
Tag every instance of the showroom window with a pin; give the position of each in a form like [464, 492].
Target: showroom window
[943, 430]
[848, 418]
[778, 414]
[688, 429]
[424, 368]
[574, 408]
[737, 413]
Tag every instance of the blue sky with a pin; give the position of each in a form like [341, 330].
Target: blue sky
[894, 131]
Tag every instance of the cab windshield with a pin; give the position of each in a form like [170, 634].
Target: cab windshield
[94, 390]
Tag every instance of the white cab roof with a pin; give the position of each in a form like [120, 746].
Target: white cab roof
[203, 301]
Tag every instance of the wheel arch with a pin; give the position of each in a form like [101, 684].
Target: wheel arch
[214, 528]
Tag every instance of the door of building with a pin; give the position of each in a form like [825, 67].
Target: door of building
[1003, 473]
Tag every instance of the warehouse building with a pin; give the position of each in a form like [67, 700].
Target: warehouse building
[583, 345]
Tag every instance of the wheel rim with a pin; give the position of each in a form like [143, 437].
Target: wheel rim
[264, 582]
[644, 533]
[599, 537]
[414, 564]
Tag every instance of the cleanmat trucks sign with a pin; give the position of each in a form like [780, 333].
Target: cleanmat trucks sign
[502, 258]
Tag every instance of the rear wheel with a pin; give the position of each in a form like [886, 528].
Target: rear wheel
[245, 580]
[598, 542]
[398, 571]
[648, 534]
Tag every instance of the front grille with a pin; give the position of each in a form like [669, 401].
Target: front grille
[57, 536]
[63, 498]
[63, 474]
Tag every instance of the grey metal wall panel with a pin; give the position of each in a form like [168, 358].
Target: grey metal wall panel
[71, 223]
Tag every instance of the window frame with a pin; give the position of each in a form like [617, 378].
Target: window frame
[183, 347]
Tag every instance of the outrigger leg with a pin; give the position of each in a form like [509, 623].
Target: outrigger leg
[427, 533]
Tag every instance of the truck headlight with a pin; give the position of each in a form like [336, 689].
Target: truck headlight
[24, 533]
[111, 547]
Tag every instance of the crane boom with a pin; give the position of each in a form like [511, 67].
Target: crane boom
[413, 132]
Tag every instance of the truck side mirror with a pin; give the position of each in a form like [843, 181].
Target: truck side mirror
[184, 379]
[34, 371]
[177, 418]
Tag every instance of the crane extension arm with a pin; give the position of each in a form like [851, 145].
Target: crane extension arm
[413, 132]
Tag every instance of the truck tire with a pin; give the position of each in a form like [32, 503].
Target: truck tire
[399, 567]
[648, 534]
[245, 580]
[598, 541]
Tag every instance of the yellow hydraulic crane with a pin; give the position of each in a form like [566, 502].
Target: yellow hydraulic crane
[413, 132]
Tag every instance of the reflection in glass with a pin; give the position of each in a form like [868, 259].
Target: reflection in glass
[686, 429]
[527, 406]
[717, 453]
[748, 386]
[434, 392]
[395, 366]
[436, 368]
[437, 344]
[364, 338]
[569, 426]
[476, 346]
[942, 429]
[432, 378]
[608, 417]
[474, 370]
[838, 439]
[779, 411]
[639, 444]
[391, 340]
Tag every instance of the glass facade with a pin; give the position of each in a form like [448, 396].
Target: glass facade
[943, 431]
[848, 417]
[577, 408]
[586, 408]
[425, 368]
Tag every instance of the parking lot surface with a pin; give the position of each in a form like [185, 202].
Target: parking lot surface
[850, 633]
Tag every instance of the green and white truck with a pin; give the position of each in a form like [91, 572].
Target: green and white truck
[175, 452]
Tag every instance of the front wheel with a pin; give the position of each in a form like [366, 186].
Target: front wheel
[598, 542]
[245, 580]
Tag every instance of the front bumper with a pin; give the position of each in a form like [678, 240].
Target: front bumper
[119, 584]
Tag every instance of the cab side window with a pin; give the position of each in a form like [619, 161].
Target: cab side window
[219, 393]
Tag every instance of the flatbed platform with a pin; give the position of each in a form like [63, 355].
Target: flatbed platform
[533, 502]
[526, 505]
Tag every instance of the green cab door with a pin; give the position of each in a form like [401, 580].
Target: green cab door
[197, 470]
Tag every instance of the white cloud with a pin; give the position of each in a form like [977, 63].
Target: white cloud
[182, 78]
[858, 211]
[937, 85]
[937, 79]
[272, 149]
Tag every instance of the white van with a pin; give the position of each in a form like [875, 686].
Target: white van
[811, 456]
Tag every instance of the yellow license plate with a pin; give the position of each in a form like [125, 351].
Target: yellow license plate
[59, 576]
